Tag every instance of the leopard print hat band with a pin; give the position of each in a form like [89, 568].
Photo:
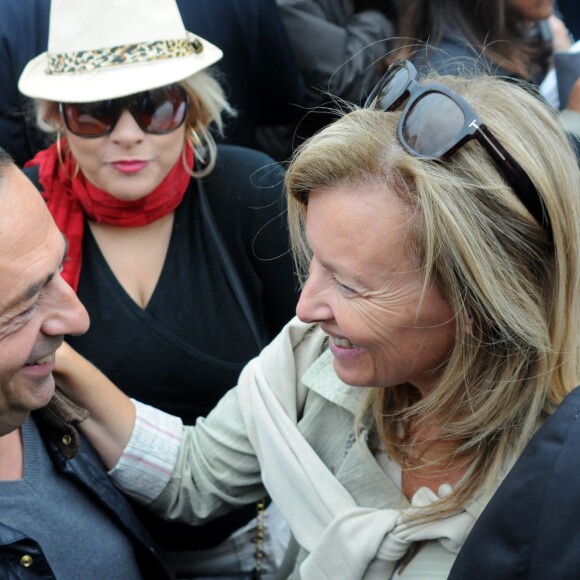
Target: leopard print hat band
[89, 60]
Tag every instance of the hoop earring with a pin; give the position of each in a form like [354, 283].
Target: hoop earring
[59, 149]
[204, 151]
[197, 145]
[61, 157]
[195, 140]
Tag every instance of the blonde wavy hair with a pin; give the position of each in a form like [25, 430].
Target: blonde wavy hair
[515, 295]
[208, 103]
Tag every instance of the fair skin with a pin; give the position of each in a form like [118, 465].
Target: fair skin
[366, 291]
[129, 164]
[37, 308]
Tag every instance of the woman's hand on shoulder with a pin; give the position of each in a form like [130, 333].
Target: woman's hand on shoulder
[112, 414]
[69, 369]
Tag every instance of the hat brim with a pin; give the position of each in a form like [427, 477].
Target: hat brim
[113, 81]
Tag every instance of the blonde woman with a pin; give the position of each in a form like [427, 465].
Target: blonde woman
[438, 329]
[178, 248]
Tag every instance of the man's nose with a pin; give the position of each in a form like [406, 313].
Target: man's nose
[65, 313]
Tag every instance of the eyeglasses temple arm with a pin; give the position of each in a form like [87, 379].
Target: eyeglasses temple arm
[518, 179]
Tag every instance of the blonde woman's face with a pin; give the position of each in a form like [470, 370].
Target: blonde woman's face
[128, 163]
[535, 10]
[367, 294]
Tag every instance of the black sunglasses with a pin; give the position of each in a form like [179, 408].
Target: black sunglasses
[436, 122]
[157, 111]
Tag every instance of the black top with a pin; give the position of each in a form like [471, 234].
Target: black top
[187, 348]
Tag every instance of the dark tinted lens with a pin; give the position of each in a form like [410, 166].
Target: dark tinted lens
[432, 125]
[160, 110]
[90, 119]
[391, 90]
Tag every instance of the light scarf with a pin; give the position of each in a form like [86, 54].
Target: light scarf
[344, 541]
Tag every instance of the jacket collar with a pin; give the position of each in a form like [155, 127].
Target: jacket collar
[60, 419]
[321, 378]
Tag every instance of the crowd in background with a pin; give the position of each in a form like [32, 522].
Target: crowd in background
[286, 62]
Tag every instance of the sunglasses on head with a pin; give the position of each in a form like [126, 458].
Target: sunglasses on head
[436, 122]
[157, 111]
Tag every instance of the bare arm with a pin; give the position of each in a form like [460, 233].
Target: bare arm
[112, 414]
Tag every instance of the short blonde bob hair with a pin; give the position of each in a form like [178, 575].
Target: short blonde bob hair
[207, 105]
[515, 295]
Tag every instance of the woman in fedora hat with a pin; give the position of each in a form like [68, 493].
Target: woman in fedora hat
[177, 247]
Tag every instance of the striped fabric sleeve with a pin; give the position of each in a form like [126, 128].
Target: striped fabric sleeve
[149, 458]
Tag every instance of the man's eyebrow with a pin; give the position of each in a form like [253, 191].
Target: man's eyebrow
[36, 288]
[31, 291]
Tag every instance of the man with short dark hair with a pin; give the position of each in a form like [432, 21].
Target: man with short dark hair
[60, 515]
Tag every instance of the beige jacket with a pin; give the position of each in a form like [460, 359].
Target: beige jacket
[288, 428]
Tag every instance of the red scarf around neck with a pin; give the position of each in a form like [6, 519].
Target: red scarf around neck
[71, 199]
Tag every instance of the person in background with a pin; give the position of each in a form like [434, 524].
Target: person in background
[178, 248]
[569, 12]
[340, 49]
[23, 35]
[261, 77]
[503, 37]
[61, 516]
[258, 72]
[508, 38]
[438, 330]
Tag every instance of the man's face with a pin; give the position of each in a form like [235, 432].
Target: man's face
[37, 307]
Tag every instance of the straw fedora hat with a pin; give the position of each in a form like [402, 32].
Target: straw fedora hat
[104, 49]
